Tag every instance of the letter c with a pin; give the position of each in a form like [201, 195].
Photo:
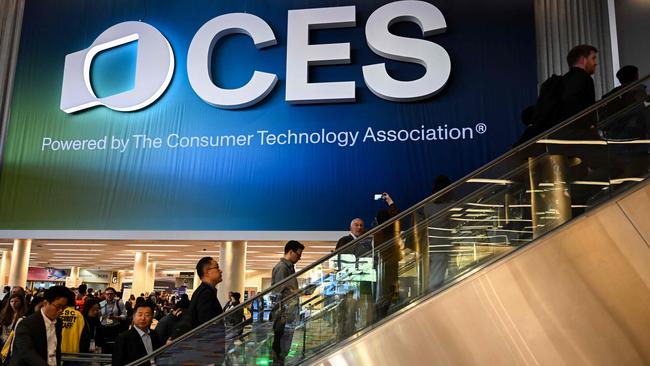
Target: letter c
[200, 53]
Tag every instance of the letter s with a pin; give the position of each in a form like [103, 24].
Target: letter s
[432, 56]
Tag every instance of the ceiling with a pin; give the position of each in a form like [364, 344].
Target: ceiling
[168, 255]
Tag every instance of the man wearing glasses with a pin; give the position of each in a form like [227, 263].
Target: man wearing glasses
[205, 305]
[38, 337]
[113, 314]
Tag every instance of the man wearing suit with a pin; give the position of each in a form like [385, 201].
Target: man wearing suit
[138, 341]
[363, 302]
[38, 337]
[362, 249]
[205, 305]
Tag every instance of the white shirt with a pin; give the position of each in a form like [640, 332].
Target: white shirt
[50, 330]
[146, 339]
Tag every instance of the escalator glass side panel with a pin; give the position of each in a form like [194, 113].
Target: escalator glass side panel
[412, 254]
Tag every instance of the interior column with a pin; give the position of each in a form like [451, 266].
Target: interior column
[20, 262]
[139, 284]
[232, 261]
[5, 265]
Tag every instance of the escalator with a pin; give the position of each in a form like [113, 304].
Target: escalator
[540, 257]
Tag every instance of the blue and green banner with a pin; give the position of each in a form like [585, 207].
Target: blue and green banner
[255, 115]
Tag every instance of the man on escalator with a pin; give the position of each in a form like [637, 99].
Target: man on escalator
[205, 306]
[286, 308]
[357, 302]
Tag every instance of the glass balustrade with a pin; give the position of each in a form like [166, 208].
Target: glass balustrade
[418, 251]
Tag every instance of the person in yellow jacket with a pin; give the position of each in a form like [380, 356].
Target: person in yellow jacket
[72, 322]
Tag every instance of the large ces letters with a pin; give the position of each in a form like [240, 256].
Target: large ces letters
[155, 61]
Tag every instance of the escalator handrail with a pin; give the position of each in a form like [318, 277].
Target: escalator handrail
[593, 108]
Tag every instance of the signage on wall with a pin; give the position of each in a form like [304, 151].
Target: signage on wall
[155, 59]
[244, 117]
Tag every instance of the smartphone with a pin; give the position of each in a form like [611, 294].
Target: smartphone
[378, 196]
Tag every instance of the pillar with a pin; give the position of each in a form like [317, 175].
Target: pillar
[120, 279]
[20, 262]
[4, 267]
[151, 276]
[197, 281]
[550, 199]
[73, 279]
[232, 261]
[139, 284]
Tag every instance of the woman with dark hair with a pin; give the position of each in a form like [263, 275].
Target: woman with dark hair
[92, 336]
[12, 312]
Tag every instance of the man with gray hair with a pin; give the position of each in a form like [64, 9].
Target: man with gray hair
[361, 249]
[359, 298]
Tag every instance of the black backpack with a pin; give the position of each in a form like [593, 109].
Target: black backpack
[549, 104]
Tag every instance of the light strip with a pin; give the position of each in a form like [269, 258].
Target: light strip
[483, 205]
[158, 245]
[74, 250]
[480, 210]
[590, 183]
[490, 181]
[155, 251]
[623, 180]
[513, 231]
[441, 228]
[630, 142]
[74, 245]
[571, 142]
[466, 237]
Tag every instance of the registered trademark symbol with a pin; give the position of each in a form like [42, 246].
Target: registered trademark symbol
[481, 128]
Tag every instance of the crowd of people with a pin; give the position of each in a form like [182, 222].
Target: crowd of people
[39, 325]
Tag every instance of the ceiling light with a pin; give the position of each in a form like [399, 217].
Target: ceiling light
[156, 251]
[158, 245]
[75, 250]
[75, 244]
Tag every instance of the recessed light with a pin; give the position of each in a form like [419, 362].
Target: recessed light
[158, 245]
[75, 244]
[75, 250]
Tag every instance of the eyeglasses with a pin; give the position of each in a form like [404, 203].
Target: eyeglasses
[209, 268]
[59, 307]
[110, 294]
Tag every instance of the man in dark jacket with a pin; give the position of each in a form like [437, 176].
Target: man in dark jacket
[140, 340]
[205, 305]
[286, 307]
[38, 337]
[578, 91]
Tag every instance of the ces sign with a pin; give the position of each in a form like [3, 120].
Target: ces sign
[155, 61]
